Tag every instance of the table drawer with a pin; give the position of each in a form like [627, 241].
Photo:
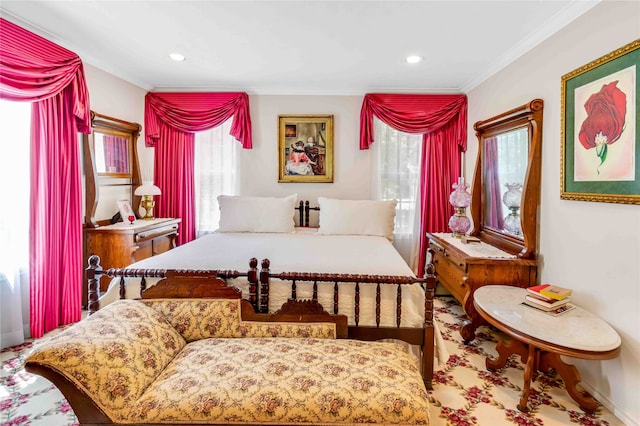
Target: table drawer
[450, 275]
[156, 232]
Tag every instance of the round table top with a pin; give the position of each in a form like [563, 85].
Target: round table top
[575, 329]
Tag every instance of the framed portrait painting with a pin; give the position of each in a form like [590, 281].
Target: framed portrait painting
[305, 148]
[601, 129]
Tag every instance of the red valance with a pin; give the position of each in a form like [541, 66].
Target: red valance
[33, 69]
[442, 120]
[194, 112]
[413, 113]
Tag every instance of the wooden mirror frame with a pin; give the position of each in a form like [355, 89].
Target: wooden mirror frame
[106, 124]
[529, 115]
[97, 131]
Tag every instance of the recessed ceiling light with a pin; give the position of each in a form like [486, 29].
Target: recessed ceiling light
[413, 59]
[177, 57]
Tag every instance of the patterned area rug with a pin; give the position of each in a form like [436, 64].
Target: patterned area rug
[464, 393]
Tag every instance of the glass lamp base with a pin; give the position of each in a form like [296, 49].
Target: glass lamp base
[512, 224]
[459, 225]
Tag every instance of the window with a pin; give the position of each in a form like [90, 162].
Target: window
[216, 173]
[513, 155]
[396, 175]
[15, 128]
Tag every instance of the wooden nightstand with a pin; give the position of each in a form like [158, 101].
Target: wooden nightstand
[122, 244]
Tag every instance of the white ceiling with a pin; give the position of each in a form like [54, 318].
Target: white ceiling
[298, 47]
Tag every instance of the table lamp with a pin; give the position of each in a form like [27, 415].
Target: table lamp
[460, 199]
[512, 199]
[147, 190]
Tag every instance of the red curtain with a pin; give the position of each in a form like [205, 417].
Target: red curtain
[173, 168]
[493, 215]
[170, 121]
[442, 119]
[116, 154]
[36, 70]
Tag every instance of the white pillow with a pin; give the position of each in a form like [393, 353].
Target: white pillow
[256, 214]
[357, 217]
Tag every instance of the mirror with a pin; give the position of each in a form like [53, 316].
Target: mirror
[112, 151]
[506, 185]
[505, 163]
[110, 164]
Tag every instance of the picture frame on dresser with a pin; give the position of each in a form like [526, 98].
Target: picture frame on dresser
[126, 211]
[600, 141]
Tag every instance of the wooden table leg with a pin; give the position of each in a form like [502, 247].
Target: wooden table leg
[505, 348]
[475, 320]
[528, 375]
[571, 377]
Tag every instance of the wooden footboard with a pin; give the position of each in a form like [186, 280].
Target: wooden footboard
[258, 300]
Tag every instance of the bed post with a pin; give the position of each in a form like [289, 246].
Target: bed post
[300, 209]
[429, 332]
[306, 213]
[264, 286]
[252, 277]
[92, 274]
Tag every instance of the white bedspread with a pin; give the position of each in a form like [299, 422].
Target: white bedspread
[302, 251]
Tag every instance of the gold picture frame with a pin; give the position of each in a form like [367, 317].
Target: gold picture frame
[600, 140]
[305, 148]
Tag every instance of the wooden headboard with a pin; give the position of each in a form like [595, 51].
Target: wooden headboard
[304, 210]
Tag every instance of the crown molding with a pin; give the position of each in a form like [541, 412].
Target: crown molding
[84, 56]
[560, 20]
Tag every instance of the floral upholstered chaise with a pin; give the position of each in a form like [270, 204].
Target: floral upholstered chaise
[198, 360]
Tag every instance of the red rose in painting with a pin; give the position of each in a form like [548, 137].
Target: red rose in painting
[605, 120]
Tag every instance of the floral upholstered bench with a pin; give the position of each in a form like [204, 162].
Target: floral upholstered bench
[198, 361]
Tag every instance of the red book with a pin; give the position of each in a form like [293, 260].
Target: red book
[535, 292]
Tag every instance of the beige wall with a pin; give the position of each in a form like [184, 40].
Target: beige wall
[112, 96]
[593, 248]
[259, 166]
[351, 165]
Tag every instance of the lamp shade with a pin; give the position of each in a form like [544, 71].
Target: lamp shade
[147, 188]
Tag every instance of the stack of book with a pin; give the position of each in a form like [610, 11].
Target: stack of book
[549, 298]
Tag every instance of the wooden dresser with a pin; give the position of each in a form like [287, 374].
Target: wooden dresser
[509, 160]
[122, 244]
[463, 268]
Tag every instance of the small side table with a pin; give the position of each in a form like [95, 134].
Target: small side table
[540, 339]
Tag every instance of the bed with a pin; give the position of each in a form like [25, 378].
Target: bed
[353, 238]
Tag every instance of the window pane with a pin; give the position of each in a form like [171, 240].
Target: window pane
[216, 173]
[15, 133]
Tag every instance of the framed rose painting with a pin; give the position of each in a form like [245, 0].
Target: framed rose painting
[601, 129]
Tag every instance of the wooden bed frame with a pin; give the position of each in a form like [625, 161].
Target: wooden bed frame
[304, 211]
[259, 299]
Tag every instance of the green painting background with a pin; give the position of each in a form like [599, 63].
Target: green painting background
[592, 187]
